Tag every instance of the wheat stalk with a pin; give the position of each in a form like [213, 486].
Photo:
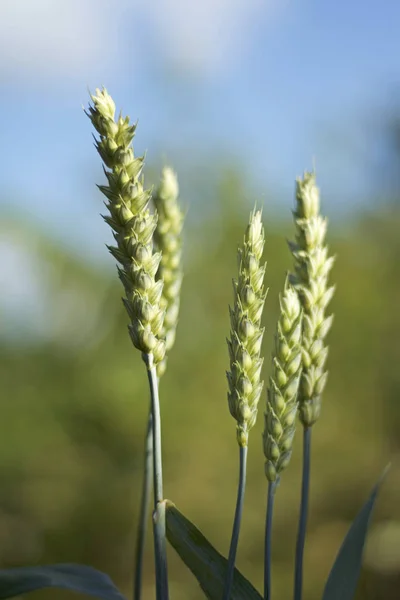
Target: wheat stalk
[133, 227]
[244, 377]
[312, 266]
[281, 408]
[167, 239]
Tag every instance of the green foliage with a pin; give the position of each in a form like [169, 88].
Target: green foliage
[207, 565]
[343, 578]
[77, 578]
[71, 449]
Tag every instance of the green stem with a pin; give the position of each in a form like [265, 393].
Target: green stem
[160, 545]
[144, 509]
[301, 535]
[236, 523]
[268, 539]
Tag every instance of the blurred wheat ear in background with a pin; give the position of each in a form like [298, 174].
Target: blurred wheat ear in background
[168, 240]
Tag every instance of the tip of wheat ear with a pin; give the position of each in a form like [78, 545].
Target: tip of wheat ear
[244, 345]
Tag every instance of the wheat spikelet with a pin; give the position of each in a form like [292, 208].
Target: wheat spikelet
[132, 224]
[244, 377]
[168, 240]
[281, 410]
[312, 267]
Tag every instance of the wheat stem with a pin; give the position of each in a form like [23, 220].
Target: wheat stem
[133, 227]
[160, 533]
[301, 534]
[144, 508]
[168, 240]
[268, 539]
[160, 545]
[281, 408]
[237, 521]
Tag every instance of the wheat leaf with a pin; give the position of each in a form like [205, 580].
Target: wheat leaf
[74, 577]
[204, 561]
[343, 578]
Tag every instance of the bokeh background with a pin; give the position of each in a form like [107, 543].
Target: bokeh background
[240, 96]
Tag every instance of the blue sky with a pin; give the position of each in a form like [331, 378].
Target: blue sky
[271, 84]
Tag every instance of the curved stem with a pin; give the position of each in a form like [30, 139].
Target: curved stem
[236, 523]
[268, 539]
[160, 545]
[144, 509]
[301, 534]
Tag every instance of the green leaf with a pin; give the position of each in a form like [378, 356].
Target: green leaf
[343, 578]
[74, 577]
[207, 565]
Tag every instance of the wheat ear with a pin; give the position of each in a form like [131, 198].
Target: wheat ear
[168, 240]
[281, 408]
[312, 266]
[133, 227]
[244, 377]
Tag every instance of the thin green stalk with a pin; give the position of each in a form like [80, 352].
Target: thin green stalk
[160, 545]
[144, 508]
[281, 408]
[237, 522]
[301, 535]
[268, 539]
[168, 240]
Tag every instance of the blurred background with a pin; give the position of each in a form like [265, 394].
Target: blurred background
[239, 96]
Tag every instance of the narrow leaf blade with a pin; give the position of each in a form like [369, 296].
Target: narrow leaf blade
[205, 562]
[74, 577]
[343, 578]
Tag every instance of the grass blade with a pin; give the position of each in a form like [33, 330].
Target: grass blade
[74, 577]
[343, 578]
[205, 562]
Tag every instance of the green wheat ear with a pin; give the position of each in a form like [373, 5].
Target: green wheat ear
[281, 410]
[168, 240]
[246, 331]
[312, 267]
[132, 224]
